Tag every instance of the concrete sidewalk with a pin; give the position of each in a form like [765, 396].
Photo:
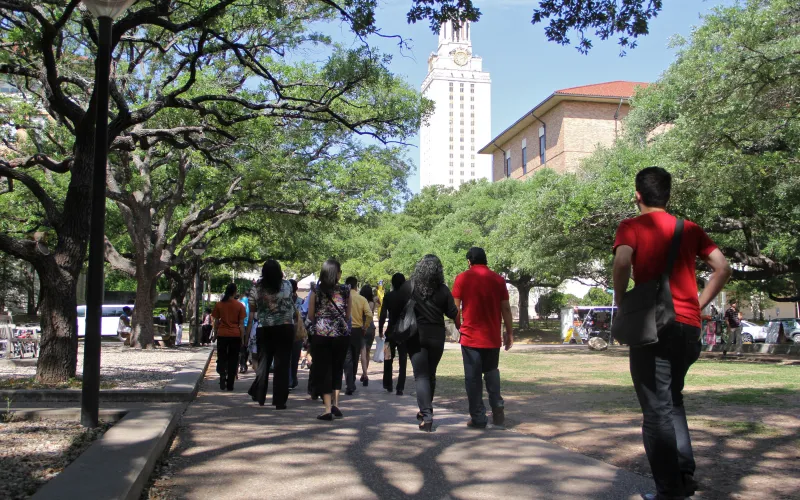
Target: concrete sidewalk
[229, 447]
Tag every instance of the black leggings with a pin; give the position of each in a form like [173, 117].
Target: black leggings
[274, 343]
[228, 358]
[327, 354]
[401, 351]
[425, 356]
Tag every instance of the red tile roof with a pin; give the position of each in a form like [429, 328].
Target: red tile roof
[618, 88]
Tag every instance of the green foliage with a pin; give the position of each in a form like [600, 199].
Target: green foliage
[597, 297]
[551, 303]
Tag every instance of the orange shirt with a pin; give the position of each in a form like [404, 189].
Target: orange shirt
[231, 316]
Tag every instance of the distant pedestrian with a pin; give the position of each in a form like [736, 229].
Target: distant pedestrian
[482, 297]
[206, 340]
[244, 351]
[659, 370]
[124, 326]
[229, 330]
[392, 307]
[369, 333]
[433, 301]
[178, 325]
[361, 314]
[297, 346]
[329, 310]
[734, 322]
[274, 307]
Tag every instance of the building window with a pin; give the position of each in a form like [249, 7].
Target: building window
[542, 145]
[451, 163]
[524, 160]
[508, 164]
[451, 172]
[472, 165]
[471, 106]
[451, 181]
[462, 173]
[473, 174]
[462, 148]
[451, 155]
[462, 106]
[461, 138]
[471, 98]
[462, 97]
[462, 156]
[472, 131]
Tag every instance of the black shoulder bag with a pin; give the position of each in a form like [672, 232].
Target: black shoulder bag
[407, 322]
[648, 309]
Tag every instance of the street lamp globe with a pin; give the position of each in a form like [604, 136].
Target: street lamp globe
[199, 248]
[107, 8]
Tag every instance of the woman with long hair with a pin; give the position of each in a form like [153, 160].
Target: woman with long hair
[433, 301]
[369, 333]
[329, 308]
[229, 331]
[274, 308]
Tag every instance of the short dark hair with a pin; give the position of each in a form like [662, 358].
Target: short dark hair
[397, 280]
[294, 285]
[126, 309]
[352, 282]
[366, 292]
[476, 256]
[654, 184]
[732, 301]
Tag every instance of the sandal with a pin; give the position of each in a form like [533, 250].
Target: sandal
[325, 416]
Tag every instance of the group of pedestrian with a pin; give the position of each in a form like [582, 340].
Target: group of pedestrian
[339, 319]
[341, 330]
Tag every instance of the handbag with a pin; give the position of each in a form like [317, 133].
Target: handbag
[647, 309]
[407, 322]
[300, 332]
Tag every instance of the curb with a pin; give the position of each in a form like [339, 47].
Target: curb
[119, 464]
[63, 414]
[182, 388]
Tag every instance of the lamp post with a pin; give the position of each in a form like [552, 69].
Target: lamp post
[199, 249]
[105, 11]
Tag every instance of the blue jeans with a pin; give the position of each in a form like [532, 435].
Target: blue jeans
[483, 362]
[658, 372]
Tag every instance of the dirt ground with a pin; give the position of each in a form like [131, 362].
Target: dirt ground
[743, 417]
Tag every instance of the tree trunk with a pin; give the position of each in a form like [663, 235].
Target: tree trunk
[58, 354]
[524, 289]
[30, 276]
[142, 319]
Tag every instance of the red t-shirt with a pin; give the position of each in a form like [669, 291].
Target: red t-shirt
[650, 235]
[481, 292]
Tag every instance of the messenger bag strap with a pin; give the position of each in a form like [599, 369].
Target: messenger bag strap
[674, 246]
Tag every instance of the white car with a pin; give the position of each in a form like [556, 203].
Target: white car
[110, 321]
[752, 332]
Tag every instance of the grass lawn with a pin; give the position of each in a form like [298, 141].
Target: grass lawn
[743, 417]
[538, 332]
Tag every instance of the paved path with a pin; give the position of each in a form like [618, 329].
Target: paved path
[229, 447]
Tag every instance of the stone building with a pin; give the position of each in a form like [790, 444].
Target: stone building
[461, 121]
[561, 130]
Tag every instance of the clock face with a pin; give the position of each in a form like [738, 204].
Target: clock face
[461, 57]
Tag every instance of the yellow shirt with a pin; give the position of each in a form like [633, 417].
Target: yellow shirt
[360, 310]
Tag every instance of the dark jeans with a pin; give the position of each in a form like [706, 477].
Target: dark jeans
[327, 355]
[228, 358]
[297, 349]
[244, 353]
[274, 343]
[387, 367]
[483, 362]
[658, 372]
[425, 356]
[352, 357]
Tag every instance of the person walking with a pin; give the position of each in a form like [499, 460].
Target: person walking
[297, 346]
[733, 320]
[206, 340]
[433, 301]
[482, 297]
[392, 307]
[178, 325]
[329, 309]
[229, 331]
[361, 313]
[659, 370]
[369, 333]
[244, 351]
[124, 326]
[273, 307]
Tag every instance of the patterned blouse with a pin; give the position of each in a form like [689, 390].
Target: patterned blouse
[330, 313]
[273, 308]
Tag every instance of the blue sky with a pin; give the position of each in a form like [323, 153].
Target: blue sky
[525, 67]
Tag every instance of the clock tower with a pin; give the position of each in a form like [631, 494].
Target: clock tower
[461, 122]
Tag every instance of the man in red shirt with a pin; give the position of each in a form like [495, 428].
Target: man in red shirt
[482, 297]
[658, 370]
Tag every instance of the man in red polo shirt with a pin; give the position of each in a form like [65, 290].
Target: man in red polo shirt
[658, 370]
[482, 297]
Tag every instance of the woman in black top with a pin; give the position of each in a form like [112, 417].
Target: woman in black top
[433, 302]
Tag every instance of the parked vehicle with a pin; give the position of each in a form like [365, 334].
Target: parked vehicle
[587, 322]
[791, 329]
[752, 332]
[110, 321]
